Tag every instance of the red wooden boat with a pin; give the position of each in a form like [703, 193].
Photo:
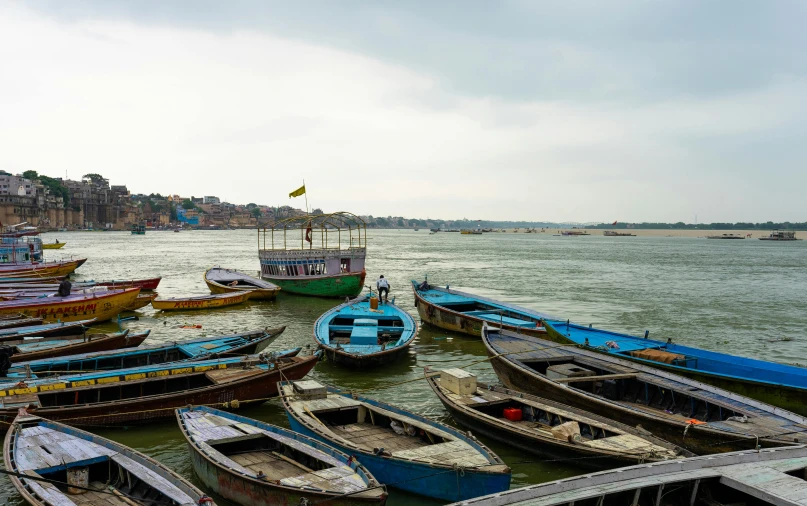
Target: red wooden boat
[143, 284]
[36, 349]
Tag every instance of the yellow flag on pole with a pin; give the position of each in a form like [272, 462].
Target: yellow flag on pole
[296, 193]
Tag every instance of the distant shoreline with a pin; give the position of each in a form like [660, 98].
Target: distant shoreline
[646, 232]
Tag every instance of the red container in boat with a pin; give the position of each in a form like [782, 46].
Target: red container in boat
[512, 414]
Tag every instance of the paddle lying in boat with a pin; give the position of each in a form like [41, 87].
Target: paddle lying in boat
[98, 302]
[772, 476]
[254, 463]
[58, 465]
[143, 394]
[545, 427]
[49, 348]
[356, 335]
[200, 302]
[60, 329]
[230, 281]
[465, 312]
[400, 448]
[699, 417]
[778, 384]
[203, 348]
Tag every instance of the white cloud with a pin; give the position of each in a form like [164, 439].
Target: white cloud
[246, 115]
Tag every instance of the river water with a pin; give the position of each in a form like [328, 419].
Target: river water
[747, 297]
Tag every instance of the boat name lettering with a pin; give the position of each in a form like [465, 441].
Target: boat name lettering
[83, 308]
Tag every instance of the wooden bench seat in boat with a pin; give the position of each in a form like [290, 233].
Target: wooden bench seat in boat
[497, 318]
[220, 376]
[364, 332]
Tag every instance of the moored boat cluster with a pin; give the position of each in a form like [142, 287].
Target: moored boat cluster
[693, 426]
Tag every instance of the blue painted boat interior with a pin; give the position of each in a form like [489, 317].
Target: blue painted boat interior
[696, 359]
[357, 329]
[480, 307]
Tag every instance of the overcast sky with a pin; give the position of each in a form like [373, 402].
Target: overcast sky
[561, 111]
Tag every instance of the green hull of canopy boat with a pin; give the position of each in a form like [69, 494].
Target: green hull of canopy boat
[320, 255]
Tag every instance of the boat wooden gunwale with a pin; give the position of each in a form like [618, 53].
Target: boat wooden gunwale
[259, 288]
[41, 269]
[769, 382]
[241, 484]
[46, 331]
[415, 469]
[446, 318]
[232, 382]
[513, 355]
[358, 359]
[537, 438]
[769, 476]
[142, 300]
[70, 448]
[101, 305]
[202, 348]
[88, 343]
[200, 302]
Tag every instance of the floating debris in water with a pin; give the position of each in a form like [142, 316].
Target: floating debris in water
[780, 340]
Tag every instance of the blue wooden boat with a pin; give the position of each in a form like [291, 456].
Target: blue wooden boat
[699, 417]
[402, 449]
[356, 335]
[778, 384]
[203, 348]
[463, 312]
[58, 465]
[255, 463]
[75, 328]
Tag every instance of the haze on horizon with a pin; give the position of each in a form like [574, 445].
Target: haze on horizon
[511, 110]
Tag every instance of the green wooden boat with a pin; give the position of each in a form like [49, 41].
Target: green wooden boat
[320, 255]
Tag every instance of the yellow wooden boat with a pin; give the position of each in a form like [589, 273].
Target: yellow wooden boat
[98, 302]
[53, 245]
[142, 300]
[202, 302]
[230, 281]
[40, 270]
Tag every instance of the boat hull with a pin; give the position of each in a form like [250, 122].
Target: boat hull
[340, 285]
[142, 300]
[255, 389]
[101, 307]
[341, 358]
[455, 321]
[788, 397]
[695, 439]
[41, 270]
[58, 245]
[255, 293]
[421, 479]
[106, 342]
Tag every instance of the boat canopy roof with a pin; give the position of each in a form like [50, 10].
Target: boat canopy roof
[339, 230]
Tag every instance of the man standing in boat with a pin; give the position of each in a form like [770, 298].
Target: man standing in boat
[383, 289]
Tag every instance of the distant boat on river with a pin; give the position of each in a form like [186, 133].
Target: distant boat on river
[780, 235]
[726, 236]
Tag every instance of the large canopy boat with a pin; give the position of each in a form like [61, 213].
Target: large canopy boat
[315, 254]
[778, 384]
[699, 417]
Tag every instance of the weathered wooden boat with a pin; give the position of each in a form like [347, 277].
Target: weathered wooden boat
[356, 335]
[230, 281]
[22, 279]
[98, 303]
[203, 348]
[400, 448]
[28, 284]
[329, 261]
[51, 347]
[778, 384]
[255, 463]
[142, 300]
[699, 417]
[772, 476]
[12, 320]
[57, 465]
[465, 313]
[200, 302]
[544, 427]
[74, 328]
[40, 269]
[53, 245]
[142, 394]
